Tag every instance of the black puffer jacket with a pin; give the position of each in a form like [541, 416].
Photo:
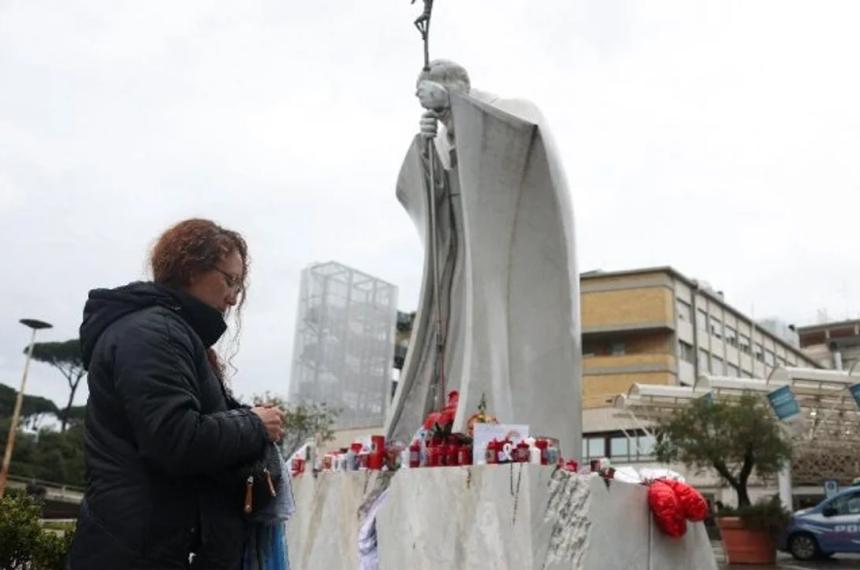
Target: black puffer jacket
[163, 437]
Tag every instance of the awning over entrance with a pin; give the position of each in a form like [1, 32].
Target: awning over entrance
[829, 410]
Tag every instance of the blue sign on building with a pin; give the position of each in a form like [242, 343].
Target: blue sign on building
[855, 391]
[783, 402]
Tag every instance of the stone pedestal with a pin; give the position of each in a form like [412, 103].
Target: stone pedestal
[516, 516]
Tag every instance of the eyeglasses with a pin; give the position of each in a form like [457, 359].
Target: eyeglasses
[232, 281]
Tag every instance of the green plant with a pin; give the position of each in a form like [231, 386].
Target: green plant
[51, 550]
[19, 531]
[24, 544]
[766, 514]
[50, 455]
[735, 438]
[302, 422]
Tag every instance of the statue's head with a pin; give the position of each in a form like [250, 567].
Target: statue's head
[452, 76]
[448, 73]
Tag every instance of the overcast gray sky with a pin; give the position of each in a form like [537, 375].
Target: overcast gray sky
[718, 137]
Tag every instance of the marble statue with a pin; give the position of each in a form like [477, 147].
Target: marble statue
[501, 249]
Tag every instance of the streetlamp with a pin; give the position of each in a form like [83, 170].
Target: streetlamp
[10, 441]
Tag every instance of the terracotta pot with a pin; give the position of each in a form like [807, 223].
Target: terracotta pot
[745, 545]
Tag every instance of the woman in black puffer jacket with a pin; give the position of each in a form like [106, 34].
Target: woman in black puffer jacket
[164, 438]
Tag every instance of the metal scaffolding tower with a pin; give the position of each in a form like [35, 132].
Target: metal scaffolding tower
[344, 343]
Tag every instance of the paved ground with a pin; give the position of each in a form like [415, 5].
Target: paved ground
[786, 562]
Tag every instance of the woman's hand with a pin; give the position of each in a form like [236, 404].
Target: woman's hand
[273, 419]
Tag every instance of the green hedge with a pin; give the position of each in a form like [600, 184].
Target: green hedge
[24, 543]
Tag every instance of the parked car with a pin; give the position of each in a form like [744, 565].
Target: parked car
[832, 526]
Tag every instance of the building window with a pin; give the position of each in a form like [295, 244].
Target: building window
[590, 349]
[646, 446]
[685, 311]
[596, 447]
[619, 448]
[702, 320]
[716, 327]
[617, 349]
[744, 343]
[686, 352]
[732, 370]
[704, 362]
[717, 366]
[759, 352]
[769, 358]
[731, 336]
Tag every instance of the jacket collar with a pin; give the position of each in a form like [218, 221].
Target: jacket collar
[206, 321]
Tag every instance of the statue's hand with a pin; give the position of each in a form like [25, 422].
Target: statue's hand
[429, 122]
[432, 95]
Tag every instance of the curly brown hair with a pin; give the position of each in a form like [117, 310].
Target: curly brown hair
[193, 246]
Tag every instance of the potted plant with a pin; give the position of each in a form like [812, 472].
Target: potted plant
[750, 533]
[736, 439]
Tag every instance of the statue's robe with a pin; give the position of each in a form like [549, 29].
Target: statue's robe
[509, 288]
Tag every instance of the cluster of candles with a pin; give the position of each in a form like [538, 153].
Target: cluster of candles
[436, 452]
[359, 457]
[435, 446]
